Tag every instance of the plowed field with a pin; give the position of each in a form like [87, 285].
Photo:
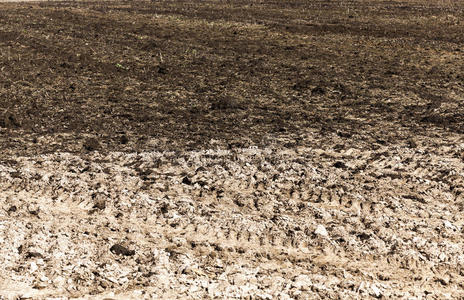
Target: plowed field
[232, 149]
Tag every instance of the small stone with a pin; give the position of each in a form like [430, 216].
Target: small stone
[35, 212]
[32, 254]
[121, 250]
[33, 267]
[187, 181]
[99, 201]
[376, 291]
[442, 256]
[449, 225]
[443, 280]
[320, 230]
[339, 165]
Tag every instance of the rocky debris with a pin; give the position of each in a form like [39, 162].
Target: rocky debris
[118, 249]
[225, 102]
[320, 230]
[339, 165]
[186, 181]
[99, 201]
[32, 254]
[12, 209]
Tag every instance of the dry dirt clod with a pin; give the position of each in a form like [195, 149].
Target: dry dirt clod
[15, 174]
[119, 249]
[12, 208]
[124, 139]
[99, 201]
[186, 181]
[91, 144]
[318, 91]
[32, 254]
[35, 211]
[162, 70]
[9, 120]
[339, 165]
[225, 102]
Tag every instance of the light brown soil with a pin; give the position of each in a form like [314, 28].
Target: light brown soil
[209, 149]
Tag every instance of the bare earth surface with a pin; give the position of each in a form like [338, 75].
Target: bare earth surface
[210, 149]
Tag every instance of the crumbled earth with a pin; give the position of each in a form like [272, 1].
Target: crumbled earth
[208, 149]
[282, 223]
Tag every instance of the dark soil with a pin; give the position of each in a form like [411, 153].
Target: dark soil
[184, 73]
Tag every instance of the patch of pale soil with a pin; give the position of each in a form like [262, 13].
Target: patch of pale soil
[268, 223]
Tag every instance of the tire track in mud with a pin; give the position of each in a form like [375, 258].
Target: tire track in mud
[391, 214]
